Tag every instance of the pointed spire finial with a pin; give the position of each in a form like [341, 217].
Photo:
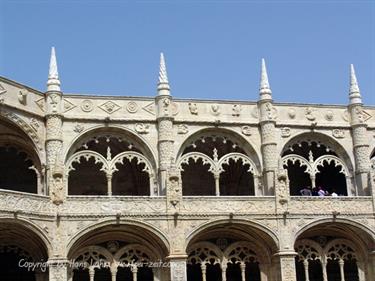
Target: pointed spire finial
[354, 93]
[163, 83]
[53, 83]
[264, 90]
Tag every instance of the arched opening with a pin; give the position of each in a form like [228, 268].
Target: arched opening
[335, 250]
[217, 163]
[372, 160]
[127, 251]
[192, 171]
[21, 247]
[110, 164]
[232, 251]
[315, 168]
[20, 169]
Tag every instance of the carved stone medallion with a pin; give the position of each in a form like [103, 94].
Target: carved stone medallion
[87, 105]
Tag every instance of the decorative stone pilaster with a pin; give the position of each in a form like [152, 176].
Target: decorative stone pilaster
[282, 191]
[54, 140]
[359, 136]
[287, 266]
[174, 189]
[58, 269]
[267, 121]
[165, 119]
[178, 268]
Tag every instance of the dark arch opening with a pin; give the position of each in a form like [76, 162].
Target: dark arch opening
[331, 179]
[236, 180]
[16, 172]
[87, 179]
[196, 179]
[10, 261]
[130, 179]
[233, 181]
[297, 178]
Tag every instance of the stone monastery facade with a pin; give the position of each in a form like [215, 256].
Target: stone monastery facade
[157, 189]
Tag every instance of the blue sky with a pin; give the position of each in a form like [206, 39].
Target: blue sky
[213, 48]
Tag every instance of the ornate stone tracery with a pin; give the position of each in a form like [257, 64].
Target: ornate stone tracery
[314, 159]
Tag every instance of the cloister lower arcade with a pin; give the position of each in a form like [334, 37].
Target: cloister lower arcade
[20, 168]
[118, 252]
[218, 163]
[230, 252]
[314, 161]
[333, 251]
[110, 163]
[23, 253]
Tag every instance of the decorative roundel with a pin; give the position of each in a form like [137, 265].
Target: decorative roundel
[132, 107]
[87, 105]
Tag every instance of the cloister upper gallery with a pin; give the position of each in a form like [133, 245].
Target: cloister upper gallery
[132, 188]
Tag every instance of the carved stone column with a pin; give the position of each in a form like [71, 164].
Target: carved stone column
[178, 268]
[359, 136]
[164, 117]
[287, 266]
[306, 267]
[267, 121]
[54, 140]
[134, 270]
[58, 269]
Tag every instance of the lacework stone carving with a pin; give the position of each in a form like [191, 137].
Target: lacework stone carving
[13, 202]
[288, 272]
[53, 148]
[312, 167]
[216, 165]
[109, 164]
[53, 127]
[178, 270]
[337, 249]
